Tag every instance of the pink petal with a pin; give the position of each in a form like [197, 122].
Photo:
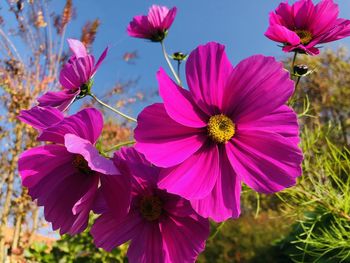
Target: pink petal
[147, 246]
[100, 60]
[177, 206]
[324, 17]
[77, 47]
[285, 14]
[259, 85]
[224, 201]
[140, 27]
[282, 121]
[179, 103]
[195, 177]
[303, 13]
[39, 162]
[207, 71]
[77, 72]
[83, 206]
[96, 162]
[169, 19]
[109, 233]
[156, 15]
[282, 34]
[60, 100]
[163, 141]
[267, 162]
[87, 124]
[184, 238]
[116, 187]
[41, 117]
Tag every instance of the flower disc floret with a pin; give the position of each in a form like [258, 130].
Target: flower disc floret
[151, 207]
[305, 36]
[220, 128]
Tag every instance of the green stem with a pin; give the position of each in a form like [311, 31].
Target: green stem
[117, 146]
[169, 63]
[113, 109]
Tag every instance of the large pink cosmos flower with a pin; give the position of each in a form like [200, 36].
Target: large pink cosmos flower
[231, 126]
[75, 77]
[64, 176]
[162, 227]
[302, 26]
[155, 25]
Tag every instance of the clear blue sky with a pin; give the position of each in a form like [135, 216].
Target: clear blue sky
[239, 24]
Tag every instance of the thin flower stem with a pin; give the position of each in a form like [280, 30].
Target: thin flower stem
[169, 64]
[293, 61]
[117, 146]
[113, 109]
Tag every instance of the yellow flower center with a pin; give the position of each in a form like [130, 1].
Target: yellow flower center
[220, 128]
[305, 36]
[151, 207]
[81, 164]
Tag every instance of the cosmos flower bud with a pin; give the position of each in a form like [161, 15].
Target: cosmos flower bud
[300, 69]
[179, 56]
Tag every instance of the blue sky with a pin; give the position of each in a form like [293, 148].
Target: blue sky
[240, 25]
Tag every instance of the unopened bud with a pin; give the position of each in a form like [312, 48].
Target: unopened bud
[178, 56]
[300, 69]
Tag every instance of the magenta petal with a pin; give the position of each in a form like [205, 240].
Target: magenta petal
[177, 206]
[325, 15]
[77, 72]
[96, 162]
[195, 177]
[303, 13]
[147, 246]
[207, 71]
[169, 18]
[87, 124]
[282, 121]
[285, 13]
[83, 206]
[163, 141]
[60, 100]
[109, 232]
[184, 238]
[39, 162]
[282, 34]
[224, 201]
[77, 48]
[100, 60]
[156, 15]
[144, 174]
[267, 162]
[116, 187]
[41, 117]
[179, 103]
[259, 85]
[140, 27]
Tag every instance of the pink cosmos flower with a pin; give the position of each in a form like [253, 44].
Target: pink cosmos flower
[75, 77]
[64, 176]
[231, 126]
[155, 25]
[162, 227]
[302, 26]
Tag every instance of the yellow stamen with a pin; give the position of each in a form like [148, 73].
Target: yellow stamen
[220, 128]
[305, 36]
[151, 207]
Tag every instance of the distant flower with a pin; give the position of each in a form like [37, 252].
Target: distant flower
[75, 77]
[162, 227]
[302, 26]
[231, 126]
[155, 25]
[64, 176]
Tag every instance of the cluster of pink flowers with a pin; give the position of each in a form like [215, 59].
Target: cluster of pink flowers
[192, 152]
